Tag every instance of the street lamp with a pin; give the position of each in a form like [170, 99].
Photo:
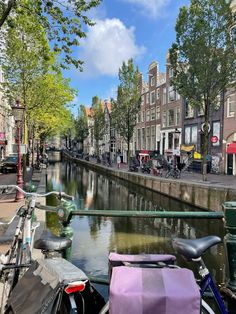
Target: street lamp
[18, 113]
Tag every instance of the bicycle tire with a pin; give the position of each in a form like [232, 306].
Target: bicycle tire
[206, 309]
[12, 275]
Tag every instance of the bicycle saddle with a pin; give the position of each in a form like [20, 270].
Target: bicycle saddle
[51, 242]
[194, 248]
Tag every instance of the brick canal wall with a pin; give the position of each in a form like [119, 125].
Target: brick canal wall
[203, 195]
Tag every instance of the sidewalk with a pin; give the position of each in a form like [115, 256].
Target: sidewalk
[8, 206]
[217, 180]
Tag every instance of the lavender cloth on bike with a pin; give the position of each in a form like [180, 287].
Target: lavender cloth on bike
[115, 257]
[135, 290]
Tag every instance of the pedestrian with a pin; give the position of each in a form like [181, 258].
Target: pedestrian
[118, 160]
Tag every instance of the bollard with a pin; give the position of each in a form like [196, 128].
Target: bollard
[230, 242]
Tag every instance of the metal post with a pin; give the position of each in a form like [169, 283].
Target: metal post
[19, 182]
[230, 242]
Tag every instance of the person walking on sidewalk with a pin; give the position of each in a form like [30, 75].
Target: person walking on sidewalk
[118, 160]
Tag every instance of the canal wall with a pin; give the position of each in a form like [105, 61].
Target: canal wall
[200, 194]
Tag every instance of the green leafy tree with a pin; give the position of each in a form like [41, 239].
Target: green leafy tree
[203, 57]
[27, 56]
[127, 105]
[62, 21]
[99, 121]
[82, 130]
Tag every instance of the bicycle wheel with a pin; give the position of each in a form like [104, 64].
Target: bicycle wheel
[11, 276]
[206, 309]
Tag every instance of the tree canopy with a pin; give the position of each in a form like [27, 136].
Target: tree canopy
[99, 121]
[203, 56]
[127, 105]
[82, 130]
[63, 21]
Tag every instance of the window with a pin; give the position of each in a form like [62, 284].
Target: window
[143, 138]
[190, 134]
[142, 100]
[143, 116]
[148, 115]
[171, 117]
[201, 111]
[157, 93]
[189, 112]
[148, 138]
[152, 114]
[164, 119]
[230, 106]
[153, 137]
[153, 97]
[152, 80]
[158, 113]
[171, 95]
[139, 117]
[170, 140]
[171, 72]
[218, 102]
[164, 96]
[177, 122]
[216, 132]
[147, 98]
[177, 96]
[139, 138]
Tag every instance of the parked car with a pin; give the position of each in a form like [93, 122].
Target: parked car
[9, 164]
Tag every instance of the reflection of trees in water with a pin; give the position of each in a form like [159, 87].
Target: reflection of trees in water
[143, 235]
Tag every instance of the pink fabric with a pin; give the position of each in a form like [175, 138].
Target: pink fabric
[153, 291]
[115, 257]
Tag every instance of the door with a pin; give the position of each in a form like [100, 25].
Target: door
[230, 164]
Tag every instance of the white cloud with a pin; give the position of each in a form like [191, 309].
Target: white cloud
[152, 8]
[107, 45]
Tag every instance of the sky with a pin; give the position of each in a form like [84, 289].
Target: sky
[139, 29]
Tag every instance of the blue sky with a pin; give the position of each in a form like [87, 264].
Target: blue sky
[138, 29]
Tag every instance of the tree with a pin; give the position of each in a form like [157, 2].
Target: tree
[203, 57]
[99, 121]
[127, 105]
[27, 56]
[62, 21]
[82, 130]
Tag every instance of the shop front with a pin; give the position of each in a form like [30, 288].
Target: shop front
[231, 158]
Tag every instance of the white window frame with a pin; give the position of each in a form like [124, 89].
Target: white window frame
[230, 106]
[152, 80]
[153, 97]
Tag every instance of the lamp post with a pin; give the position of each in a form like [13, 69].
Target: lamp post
[18, 113]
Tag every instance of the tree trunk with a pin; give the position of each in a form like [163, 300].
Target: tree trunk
[128, 154]
[6, 12]
[205, 141]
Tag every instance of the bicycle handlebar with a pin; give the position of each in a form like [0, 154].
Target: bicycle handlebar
[16, 187]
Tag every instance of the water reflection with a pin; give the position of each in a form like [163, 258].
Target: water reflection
[95, 237]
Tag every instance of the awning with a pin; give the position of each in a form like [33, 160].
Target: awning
[231, 148]
[187, 148]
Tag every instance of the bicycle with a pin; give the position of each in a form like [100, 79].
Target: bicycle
[173, 171]
[63, 287]
[190, 249]
[19, 256]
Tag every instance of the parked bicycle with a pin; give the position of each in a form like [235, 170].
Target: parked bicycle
[167, 287]
[20, 289]
[173, 171]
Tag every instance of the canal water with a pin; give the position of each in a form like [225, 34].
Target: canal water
[95, 237]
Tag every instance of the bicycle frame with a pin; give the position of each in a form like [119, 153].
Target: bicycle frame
[208, 282]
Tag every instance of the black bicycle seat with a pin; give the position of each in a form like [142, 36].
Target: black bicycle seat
[194, 248]
[51, 242]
